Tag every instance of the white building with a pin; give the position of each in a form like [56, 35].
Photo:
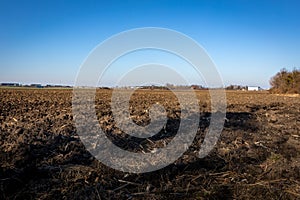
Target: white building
[254, 88]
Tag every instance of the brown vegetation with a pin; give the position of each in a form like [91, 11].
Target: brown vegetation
[42, 157]
[286, 82]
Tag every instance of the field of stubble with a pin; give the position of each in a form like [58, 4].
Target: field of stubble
[42, 157]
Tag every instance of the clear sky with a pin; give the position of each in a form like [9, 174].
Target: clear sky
[46, 41]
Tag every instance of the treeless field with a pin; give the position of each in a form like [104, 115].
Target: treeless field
[42, 157]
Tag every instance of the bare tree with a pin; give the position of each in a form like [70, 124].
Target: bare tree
[286, 82]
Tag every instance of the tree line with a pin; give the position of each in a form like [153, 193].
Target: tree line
[286, 81]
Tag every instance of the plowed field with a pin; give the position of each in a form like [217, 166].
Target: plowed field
[42, 157]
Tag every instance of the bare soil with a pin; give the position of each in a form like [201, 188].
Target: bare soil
[42, 157]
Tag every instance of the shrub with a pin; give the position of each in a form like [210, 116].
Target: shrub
[286, 82]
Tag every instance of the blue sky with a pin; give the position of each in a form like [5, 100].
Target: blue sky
[47, 41]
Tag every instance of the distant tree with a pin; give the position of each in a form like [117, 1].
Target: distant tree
[235, 87]
[169, 85]
[286, 82]
[230, 87]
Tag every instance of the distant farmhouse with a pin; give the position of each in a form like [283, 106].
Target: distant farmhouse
[243, 88]
[254, 88]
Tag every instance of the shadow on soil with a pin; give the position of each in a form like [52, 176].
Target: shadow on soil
[60, 165]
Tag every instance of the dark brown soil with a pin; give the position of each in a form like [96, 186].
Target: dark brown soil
[42, 157]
